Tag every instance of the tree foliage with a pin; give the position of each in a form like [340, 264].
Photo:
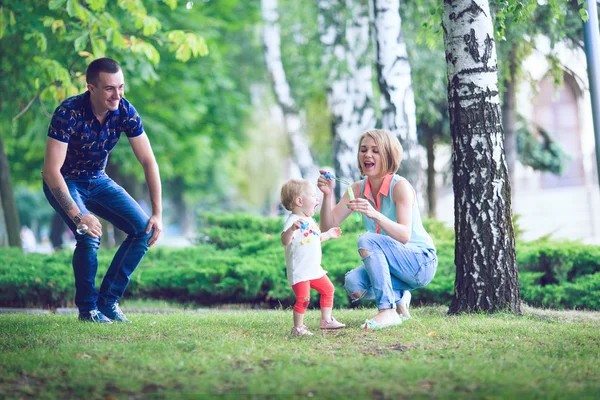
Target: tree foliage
[516, 25]
[67, 35]
[44, 49]
[191, 106]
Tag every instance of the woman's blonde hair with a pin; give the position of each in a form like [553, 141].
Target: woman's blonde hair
[389, 148]
[291, 190]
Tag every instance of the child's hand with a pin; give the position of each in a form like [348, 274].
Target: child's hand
[297, 225]
[335, 232]
[288, 235]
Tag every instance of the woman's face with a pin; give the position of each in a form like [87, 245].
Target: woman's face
[369, 158]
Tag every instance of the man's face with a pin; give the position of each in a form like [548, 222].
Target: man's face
[108, 91]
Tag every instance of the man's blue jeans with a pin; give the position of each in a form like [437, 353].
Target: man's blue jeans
[103, 197]
[391, 268]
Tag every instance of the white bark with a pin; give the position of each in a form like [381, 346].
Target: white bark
[300, 146]
[486, 275]
[397, 97]
[347, 54]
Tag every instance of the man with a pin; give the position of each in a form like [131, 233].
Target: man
[84, 130]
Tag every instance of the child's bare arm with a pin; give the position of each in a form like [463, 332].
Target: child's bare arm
[288, 235]
[333, 233]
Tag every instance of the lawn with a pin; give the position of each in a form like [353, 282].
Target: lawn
[250, 354]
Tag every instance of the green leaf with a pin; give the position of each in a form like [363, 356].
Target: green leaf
[97, 5]
[98, 46]
[42, 42]
[149, 51]
[81, 42]
[150, 25]
[117, 39]
[58, 24]
[584, 15]
[197, 44]
[2, 22]
[55, 4]
[71, 8]
[187, 45]
[171, 3]
[183, 53]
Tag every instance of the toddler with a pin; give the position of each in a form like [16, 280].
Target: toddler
[302, 239]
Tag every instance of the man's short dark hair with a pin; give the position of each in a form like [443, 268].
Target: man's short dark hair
[105, 64]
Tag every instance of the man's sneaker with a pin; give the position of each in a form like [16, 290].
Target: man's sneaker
[301, 331]
[113, 311]
[333, 324]
[94, 316]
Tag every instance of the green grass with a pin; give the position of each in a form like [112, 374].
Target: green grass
[250, 354]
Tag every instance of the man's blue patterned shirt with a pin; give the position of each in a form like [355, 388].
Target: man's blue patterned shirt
[89, 142]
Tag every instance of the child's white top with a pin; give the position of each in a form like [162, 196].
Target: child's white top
[303, 254]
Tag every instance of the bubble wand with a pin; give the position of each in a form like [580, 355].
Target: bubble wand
[351, 196]
[329, 175]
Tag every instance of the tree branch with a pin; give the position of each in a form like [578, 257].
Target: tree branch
[46, 113]
[23, 111]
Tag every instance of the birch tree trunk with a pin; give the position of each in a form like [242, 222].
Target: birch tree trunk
[397, 97]
[10, 215]
[486, 271]
[431, 189]
[346, 51]
[299, 143]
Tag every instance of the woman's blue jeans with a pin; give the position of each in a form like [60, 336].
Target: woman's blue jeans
[391, 268]
[103, 197]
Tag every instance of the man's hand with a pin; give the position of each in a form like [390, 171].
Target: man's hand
[93, 224]
[155, 223]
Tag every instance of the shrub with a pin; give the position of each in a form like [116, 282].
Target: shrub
[559, 261]
[240, 259]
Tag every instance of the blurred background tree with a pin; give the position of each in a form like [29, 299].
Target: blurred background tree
[213, 121]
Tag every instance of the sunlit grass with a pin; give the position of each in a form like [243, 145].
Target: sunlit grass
[233, 354]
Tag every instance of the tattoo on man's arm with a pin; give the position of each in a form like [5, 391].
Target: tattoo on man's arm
[64, 199]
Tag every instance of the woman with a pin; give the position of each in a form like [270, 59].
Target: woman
[398, 254]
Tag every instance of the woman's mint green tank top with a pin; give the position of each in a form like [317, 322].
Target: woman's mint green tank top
[419, 237]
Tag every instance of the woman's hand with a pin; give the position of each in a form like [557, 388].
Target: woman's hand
[325, 185]
[364, 207]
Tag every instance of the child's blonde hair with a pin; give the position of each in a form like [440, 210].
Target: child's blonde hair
[291, 190]
[389, 148]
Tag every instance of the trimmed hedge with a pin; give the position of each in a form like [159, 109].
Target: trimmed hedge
[239, 259]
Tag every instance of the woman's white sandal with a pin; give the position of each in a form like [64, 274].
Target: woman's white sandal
[404, 305]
